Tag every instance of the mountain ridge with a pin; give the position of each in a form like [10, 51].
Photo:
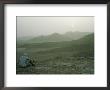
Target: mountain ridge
[56, 37]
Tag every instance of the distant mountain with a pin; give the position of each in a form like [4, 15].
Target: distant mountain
[56, 37]
[81, 47]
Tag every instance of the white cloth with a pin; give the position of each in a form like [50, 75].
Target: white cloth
[24, 61]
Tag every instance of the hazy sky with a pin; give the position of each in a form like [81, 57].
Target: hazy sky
[34, 26]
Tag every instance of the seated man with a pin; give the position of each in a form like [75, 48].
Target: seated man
[25, 61]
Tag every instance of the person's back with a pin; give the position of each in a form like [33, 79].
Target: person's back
[24, 61]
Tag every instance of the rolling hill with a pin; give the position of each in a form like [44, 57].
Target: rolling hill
[83, 44]
[55, 37]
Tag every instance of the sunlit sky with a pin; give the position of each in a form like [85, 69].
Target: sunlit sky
[35, 26]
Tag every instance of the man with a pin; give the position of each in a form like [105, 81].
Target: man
[25, 61]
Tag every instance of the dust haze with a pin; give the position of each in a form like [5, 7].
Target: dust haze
[36, 26]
